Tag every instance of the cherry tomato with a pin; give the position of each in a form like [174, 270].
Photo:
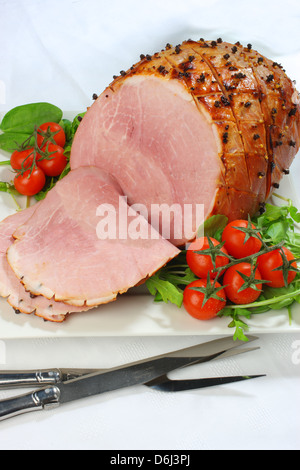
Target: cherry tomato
[234, 240]
[233, 282]
[268, 262]
[48, 128]
[18, 157]
[56, 163]
[193, 301]
[201, 264]
[29, 185]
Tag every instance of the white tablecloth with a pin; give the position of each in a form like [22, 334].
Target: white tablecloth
[63, 51]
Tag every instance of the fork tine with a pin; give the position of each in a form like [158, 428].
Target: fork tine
[167, 385]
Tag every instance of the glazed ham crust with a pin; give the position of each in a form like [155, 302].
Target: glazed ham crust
[250, 104]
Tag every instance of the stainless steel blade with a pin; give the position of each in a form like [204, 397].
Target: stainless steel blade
[164, 384]
[137, 374]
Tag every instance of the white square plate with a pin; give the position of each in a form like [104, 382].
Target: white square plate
[134, 313]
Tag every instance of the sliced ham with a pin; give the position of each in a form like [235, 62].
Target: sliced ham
[68, 250]
[207, 123]
[11, 287]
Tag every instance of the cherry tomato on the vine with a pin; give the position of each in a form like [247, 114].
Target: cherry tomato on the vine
[30, 184]
[202, 264]
[47, 129]
[234, 240]
[233, 283]
[269, 262]
[21, 156]
[56, 162]
[193, 301]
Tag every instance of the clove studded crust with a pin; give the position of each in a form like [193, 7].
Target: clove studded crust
[243, 117]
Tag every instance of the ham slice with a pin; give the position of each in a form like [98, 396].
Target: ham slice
[205, 122]
[64, 251]
[10, 286]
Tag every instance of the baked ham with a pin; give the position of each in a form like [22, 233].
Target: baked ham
[11, 287]
[62, 252]
[202, 123]
[207, 123]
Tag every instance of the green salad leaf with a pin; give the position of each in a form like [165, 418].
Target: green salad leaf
[165, 291]
[10, 141]
[213, 227]
[23, 119]
[70, 128]
[277, 224]
[168, 283]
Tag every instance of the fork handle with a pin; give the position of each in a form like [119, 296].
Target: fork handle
[13, 379]
[44, 398]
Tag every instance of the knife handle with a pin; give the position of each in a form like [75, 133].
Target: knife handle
[35, 401]
[15, 379]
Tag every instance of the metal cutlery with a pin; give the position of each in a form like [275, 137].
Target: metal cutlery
[58, 386]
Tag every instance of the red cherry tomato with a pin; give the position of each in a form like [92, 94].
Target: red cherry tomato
[268, 262]
[56, 162]
[202, 264]
[48, 128]
[29, 185]
[193, 301]
[19, 157]
[233, 282]
[234, 240]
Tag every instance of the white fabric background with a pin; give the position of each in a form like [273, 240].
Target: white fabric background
[62, 51]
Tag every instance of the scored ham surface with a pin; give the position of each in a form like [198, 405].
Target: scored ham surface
[11, 287]
[207, 123]
[62, 253]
